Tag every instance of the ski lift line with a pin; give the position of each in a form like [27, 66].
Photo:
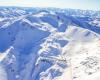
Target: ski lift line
[53, 59]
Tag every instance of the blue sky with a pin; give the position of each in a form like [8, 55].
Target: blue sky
[74, 4]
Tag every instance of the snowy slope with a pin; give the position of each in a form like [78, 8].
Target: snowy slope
[49, 44]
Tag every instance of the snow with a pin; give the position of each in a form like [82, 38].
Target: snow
[3, 74]
[3, 55]
[80, 52]
[48, 44]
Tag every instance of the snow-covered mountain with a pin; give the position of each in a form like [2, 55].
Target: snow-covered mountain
[49, 44]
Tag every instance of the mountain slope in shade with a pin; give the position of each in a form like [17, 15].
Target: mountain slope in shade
[49, 44]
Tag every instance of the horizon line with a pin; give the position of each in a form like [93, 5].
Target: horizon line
[48, 7]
